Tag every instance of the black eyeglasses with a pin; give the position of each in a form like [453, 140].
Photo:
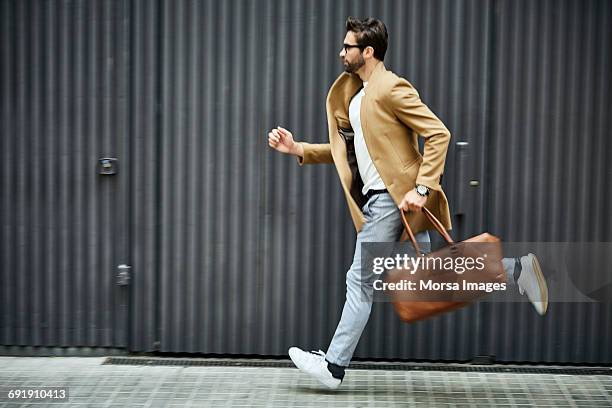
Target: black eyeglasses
[347, 47]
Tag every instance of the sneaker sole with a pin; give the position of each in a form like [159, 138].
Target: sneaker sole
[541, 281]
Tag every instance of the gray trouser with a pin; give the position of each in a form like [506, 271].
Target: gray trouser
[383, 223]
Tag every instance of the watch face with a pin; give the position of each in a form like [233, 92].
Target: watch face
[422, 190]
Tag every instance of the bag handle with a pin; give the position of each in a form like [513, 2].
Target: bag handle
[436, 223]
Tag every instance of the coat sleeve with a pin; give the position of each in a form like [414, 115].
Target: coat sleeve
[315, 153]
[412, 112]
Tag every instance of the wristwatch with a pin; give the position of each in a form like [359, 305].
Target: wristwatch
[422, 190]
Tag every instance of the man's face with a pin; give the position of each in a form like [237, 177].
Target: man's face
[351, 57]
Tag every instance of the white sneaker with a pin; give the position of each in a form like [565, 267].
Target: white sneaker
[313, 363]
[531, 281]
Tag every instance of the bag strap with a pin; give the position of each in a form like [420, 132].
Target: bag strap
[436, 223]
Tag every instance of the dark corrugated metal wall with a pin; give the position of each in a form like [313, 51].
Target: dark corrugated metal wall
[547, 177]
[63, 105]
[551, 93]
[235, 249]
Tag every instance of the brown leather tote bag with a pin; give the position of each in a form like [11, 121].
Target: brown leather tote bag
[422, 303]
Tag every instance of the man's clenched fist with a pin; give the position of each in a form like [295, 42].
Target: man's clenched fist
[412, 201]
[282, 140]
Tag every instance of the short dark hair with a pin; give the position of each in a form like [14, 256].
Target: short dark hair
[370, 32]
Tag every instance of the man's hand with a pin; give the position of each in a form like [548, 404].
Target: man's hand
[281, 139]
[412, 201]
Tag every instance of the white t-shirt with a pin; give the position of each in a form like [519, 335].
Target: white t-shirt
[369, 175]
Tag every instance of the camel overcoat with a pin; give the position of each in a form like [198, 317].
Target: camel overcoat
[392, 118]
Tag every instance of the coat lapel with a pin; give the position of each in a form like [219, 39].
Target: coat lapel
[340, 96]
[338, 99]
[366, 100]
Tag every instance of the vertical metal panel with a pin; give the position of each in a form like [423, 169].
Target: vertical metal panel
[146, 160]
[62, 107]
[547, 169]
[210, 184]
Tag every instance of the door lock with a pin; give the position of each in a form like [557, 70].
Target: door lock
[107, 166]
[123, 277]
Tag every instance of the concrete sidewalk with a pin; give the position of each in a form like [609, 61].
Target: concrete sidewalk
[92, 384]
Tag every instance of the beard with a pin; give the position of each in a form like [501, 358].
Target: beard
[352, 67]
